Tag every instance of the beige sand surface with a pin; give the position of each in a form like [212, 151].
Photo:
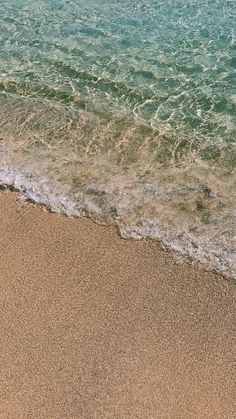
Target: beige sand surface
[93, 326]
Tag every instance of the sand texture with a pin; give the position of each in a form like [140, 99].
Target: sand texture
[93, 326]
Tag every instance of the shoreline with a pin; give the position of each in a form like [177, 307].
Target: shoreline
[61, 209]
[97, 326]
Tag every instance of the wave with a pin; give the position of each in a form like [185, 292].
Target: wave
[125, 114]
[120, 206]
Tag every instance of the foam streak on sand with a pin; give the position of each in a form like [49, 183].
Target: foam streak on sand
[189, 235]
[93, 326]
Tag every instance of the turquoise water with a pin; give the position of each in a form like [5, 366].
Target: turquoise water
[125, 112]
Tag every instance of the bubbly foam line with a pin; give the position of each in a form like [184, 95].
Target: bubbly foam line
[204, 252]
[54, 196]
[39, 191]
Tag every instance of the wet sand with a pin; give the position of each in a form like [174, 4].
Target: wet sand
[93, 326]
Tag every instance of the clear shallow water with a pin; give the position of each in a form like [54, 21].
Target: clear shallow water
[126, 112]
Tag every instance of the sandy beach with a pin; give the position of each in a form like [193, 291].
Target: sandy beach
[94, 326]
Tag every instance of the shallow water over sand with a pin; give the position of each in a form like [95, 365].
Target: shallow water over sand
[126, 113]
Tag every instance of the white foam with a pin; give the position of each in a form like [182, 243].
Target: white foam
[51, 194]
[57, 197]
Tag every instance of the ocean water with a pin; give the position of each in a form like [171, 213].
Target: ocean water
[125, 111]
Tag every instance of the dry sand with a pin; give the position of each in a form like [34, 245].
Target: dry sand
[93, 326]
